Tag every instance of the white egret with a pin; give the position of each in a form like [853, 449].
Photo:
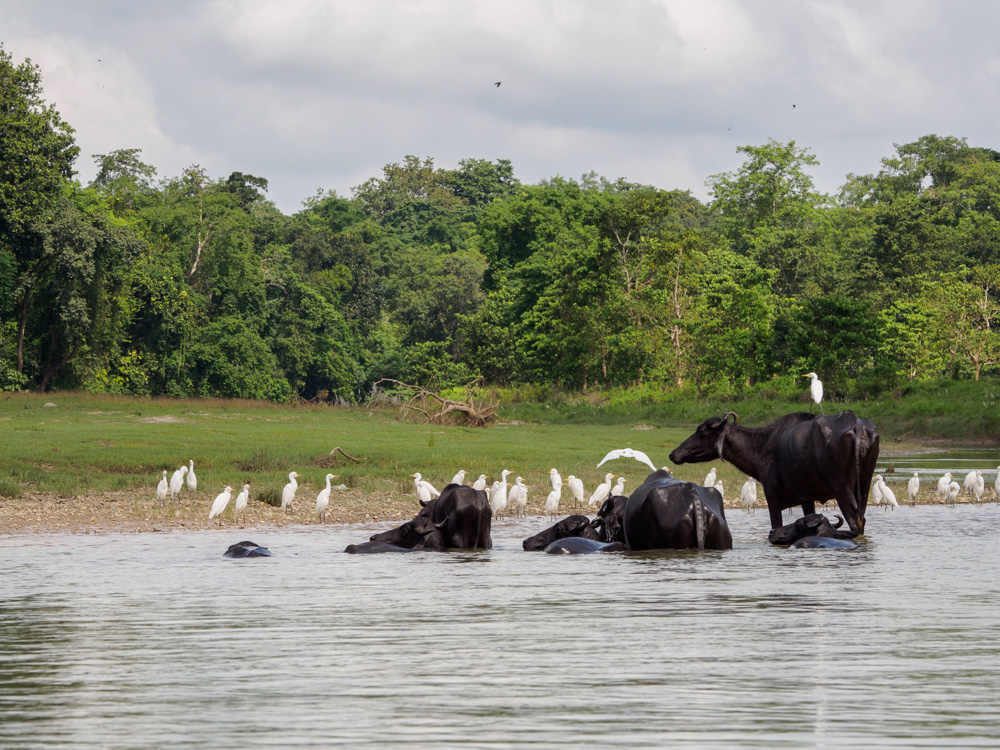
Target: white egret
[498, 498]
[709, 479]
[177, 481]
[459, 478]
[942, 487]
[876, 491]
[979, 487]
[969, 483]
[619, 488]
[554, 479]
[912, 488]
[815, 390]
[480, 484]
[718, 486]
[552, 502]
[575, 489]
[220, 503]
[953, 491]
[241, 503]
[425, 490]
[888, 496]
[628, 453]
[518, 496]
[602, 492]
[191, 479]
[162, 487]
[288, 491]
[748, 494]
[323, 499]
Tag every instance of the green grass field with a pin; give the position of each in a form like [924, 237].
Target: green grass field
[87, 444]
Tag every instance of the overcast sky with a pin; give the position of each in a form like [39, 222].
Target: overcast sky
[314, 94]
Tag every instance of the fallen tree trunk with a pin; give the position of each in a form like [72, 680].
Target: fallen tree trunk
[474, 411]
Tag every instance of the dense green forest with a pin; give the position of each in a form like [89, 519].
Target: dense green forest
[196, 285]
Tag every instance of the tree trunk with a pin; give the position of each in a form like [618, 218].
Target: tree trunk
[20, 331]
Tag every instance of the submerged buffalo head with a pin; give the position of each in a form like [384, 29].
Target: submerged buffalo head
[420, 533]
[608, 523]
[576, 525]
[814, 524]
[706, 442]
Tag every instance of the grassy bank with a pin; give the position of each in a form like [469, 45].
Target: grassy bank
[86, 444]
[933, 410]
[70, 445]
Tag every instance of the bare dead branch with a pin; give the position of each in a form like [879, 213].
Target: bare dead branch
[475, 410]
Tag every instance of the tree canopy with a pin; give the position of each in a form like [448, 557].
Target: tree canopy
[195, 284]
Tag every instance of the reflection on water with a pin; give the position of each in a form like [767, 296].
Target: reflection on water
[158, 641]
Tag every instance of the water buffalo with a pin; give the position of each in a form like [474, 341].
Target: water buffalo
[800, 459]
[607, 527]
[823, 542]
[571, 526]
[247, 549]
[815, 524]
[608, 523]
[371, 548]
[578, 545]
[666, 513]
[459, 519]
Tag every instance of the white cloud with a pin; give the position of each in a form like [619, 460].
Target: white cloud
[311, 94]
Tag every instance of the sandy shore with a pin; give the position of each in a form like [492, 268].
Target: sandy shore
[125, 512]
[35, 513]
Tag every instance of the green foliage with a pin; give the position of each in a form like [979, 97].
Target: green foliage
[229, 359]
[36, 148]
[196, 285]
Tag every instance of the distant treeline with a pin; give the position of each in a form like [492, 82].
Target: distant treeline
[197, 285]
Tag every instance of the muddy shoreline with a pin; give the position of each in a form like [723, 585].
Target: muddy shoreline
[125, 512]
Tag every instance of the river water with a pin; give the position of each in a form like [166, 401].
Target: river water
[157, 641]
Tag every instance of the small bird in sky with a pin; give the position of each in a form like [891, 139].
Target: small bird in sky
[793, 106]
[497, 84]
[729, 128]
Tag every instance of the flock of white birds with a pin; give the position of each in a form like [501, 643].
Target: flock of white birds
[947, 489]
[506, 498]
[185, 476]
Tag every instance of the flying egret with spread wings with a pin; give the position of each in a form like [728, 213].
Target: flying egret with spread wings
[628, 453]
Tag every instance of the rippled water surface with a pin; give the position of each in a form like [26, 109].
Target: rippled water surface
[156, 640]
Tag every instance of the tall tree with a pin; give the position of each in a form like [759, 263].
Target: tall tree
[37, 150]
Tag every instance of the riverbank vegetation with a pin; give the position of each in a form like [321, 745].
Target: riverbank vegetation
[195, 285]
[80, 444]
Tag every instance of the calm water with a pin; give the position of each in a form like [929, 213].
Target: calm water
[155, 640]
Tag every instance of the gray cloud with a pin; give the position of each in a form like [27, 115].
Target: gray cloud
[323, 94]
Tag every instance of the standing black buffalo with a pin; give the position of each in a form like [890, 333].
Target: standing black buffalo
[459, 519]
[666, 513]
[800, 459]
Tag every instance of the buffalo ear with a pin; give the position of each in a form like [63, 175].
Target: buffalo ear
[422, 503]
[813, 520]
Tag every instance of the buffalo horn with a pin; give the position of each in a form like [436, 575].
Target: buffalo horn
[734, 415]
[840, 522]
